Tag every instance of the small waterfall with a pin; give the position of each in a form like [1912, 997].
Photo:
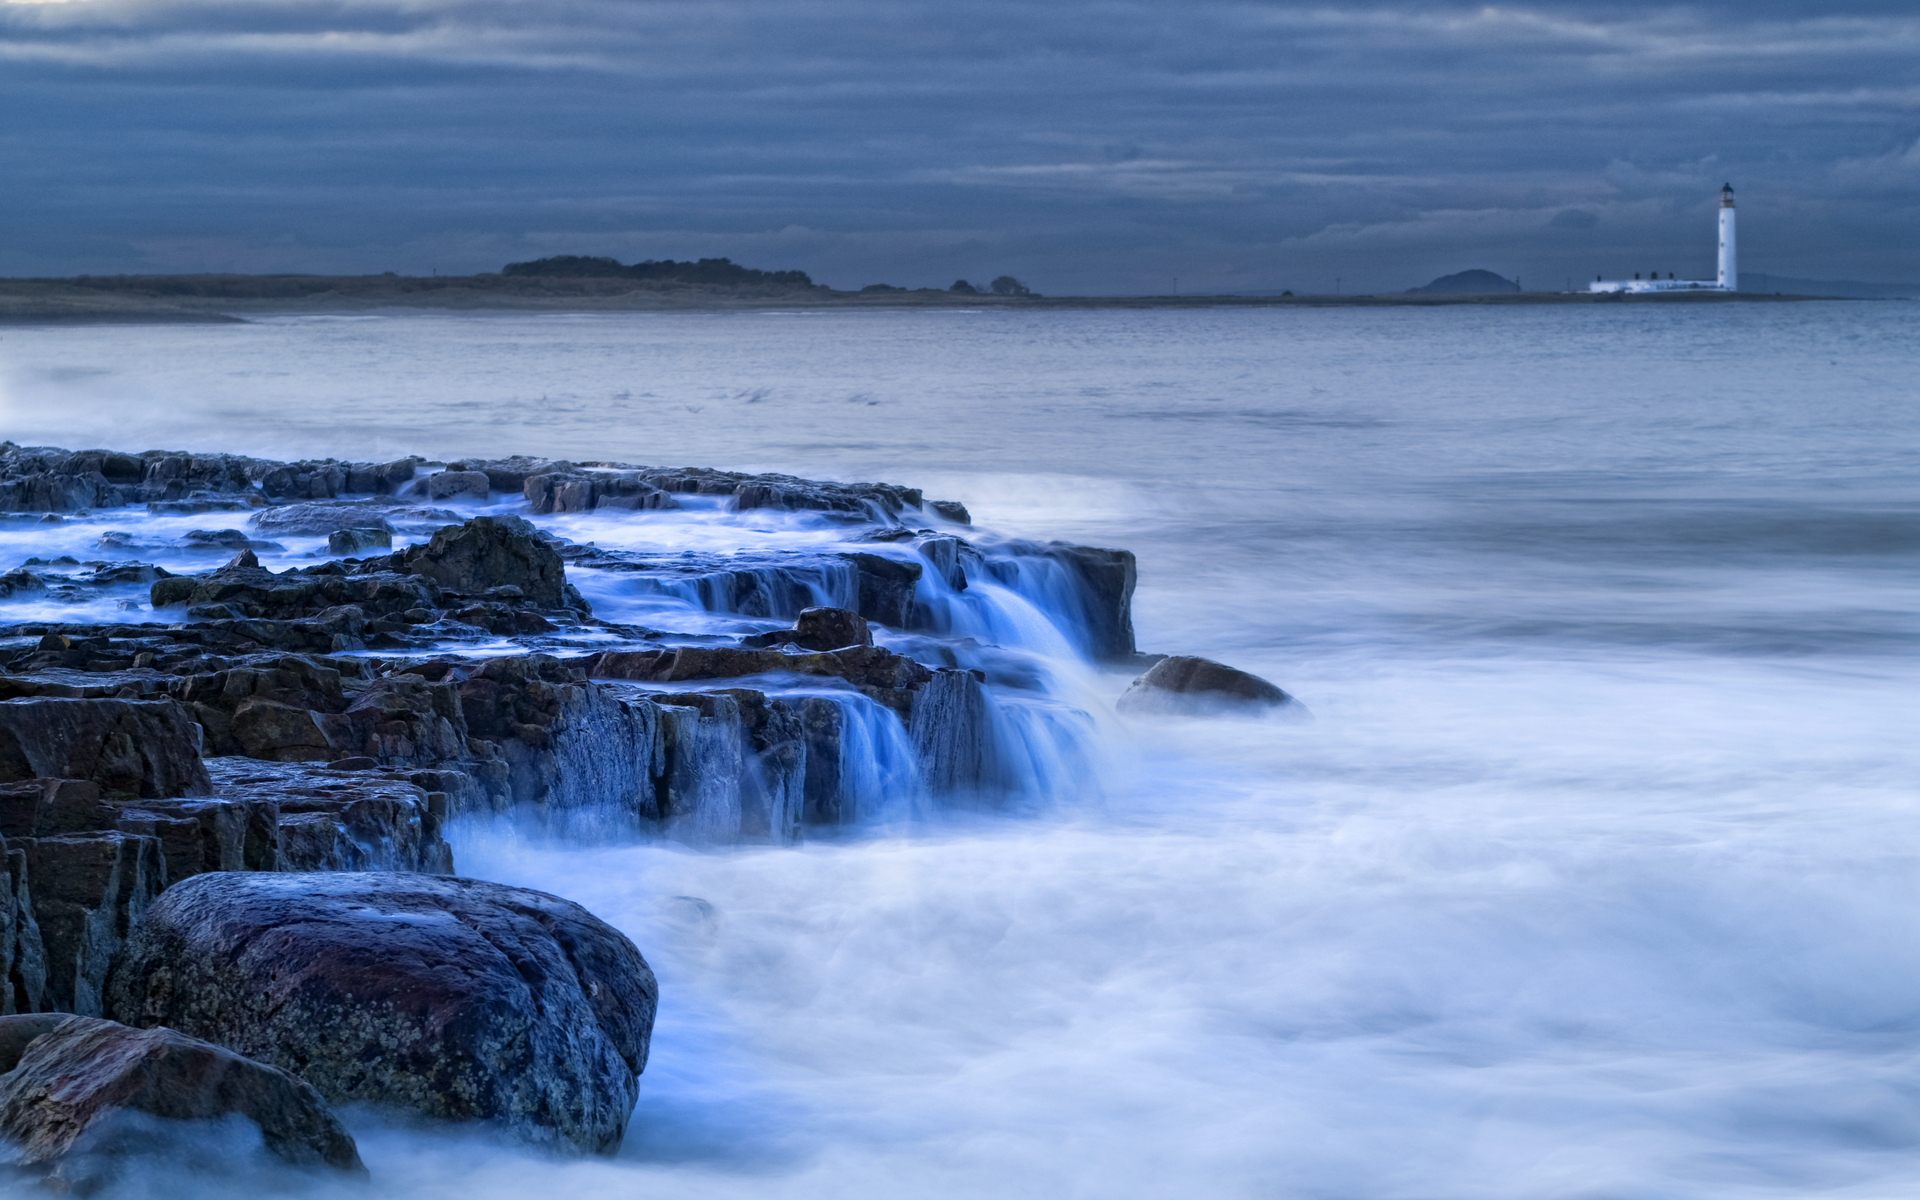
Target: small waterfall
[953, 736]
[604, 765]
[1043, 750]
[773, 592]
[705, 763]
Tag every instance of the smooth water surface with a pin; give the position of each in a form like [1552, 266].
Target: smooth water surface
[1597, 874]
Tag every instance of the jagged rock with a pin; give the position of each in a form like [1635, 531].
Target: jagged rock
[510, 474]
[562, 745]
[948, 556]
[141, 747]
[886, 588]
[818, 629]
[308, 817]
[951, 510]
[492, 552]
[451, 998]
[581, 491]
[88, 890]
[952, 733]
[1181, 681]
[44, 807]
[830, 629]
[884, 675]
[353, 541]
[82, 1097]
[402, 720]
[229, 833]
[450, 484]
[1106, 579]
[23, 955]
[318, 520]
[380, 479]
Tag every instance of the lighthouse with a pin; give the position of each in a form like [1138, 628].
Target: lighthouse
[1729, 272]
[1728, 280]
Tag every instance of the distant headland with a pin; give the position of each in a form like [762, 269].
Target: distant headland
[584, 283]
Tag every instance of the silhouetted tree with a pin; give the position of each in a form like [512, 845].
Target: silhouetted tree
[1007, 285]
[964, 288]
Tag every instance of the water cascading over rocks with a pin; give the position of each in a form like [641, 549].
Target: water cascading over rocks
[389, 648]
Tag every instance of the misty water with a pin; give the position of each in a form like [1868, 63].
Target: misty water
[1595, 875]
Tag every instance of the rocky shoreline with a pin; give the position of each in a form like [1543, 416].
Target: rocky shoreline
[227, 794]
[225, 884]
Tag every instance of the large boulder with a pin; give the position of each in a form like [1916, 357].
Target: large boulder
[1183, 682]
[80, 1096]
[451, 998]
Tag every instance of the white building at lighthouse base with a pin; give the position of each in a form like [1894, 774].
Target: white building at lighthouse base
[1656, 285]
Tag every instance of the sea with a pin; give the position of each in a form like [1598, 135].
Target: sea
[1588, 867]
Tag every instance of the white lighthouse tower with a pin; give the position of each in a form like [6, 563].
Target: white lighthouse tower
[1728, 281]
[1729, 271]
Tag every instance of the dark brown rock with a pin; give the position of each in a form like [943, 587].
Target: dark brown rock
[88, 890]
[451, 998]
[317, 520]
[448, 485]
[830, 629]
[1180, 681]
[492, 552]
[355, 541]
[140, 747]
[65, 1102]
[886, 588]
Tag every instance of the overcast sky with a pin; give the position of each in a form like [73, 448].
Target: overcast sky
[1092, 147]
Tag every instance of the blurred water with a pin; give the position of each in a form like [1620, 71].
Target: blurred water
[1596, 875]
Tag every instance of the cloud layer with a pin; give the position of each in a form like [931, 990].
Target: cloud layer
[1084, 145]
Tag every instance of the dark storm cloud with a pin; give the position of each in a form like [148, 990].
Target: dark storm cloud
[1088, 146]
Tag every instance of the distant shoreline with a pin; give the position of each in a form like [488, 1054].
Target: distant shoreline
[229, 299]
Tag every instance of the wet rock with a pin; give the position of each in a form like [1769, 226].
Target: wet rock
[450, 485]
[567, 749]
[224, 541]
[1105, 580]
[491, 552]
[44, 807]
[952, 733]
[381, 479]
[451, 998]
[951, 510]
[355, 541]
[874, 669]
[1180, 681]
[581, 491]
[818, 629]
[23, 955]
[321, 818]
[84, 1099]
[88, 890]
[139, 747]
[830, 629]
[509, 475]
[948, 556]
[229, 833]
[21, 582]
[886, 588]
[317, 520]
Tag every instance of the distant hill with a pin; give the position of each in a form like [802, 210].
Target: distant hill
[721, 272]
[1754, 281]
[1466, 283]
